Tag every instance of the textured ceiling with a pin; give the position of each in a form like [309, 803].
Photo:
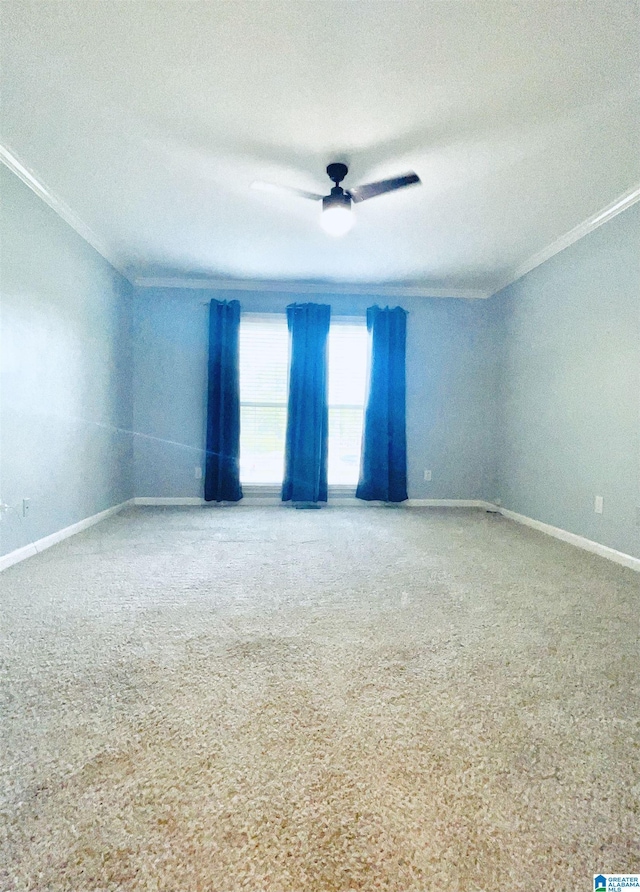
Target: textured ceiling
[151, 119]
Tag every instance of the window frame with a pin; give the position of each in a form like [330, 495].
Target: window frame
[354, 319]
[250, 488]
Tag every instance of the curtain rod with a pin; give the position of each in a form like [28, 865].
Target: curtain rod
[205, 303]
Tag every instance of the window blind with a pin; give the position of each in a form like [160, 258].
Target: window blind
[348, 359]
[264, 372]
[264, 361]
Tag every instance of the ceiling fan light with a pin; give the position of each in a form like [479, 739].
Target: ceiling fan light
[337, 217]
[337, 221]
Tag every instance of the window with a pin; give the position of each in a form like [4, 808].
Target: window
[264, 373]
[264, 364]
[348, 351]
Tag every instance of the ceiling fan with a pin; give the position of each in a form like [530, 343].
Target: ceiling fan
[337, 217]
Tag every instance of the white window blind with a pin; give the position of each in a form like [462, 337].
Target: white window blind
[348, 360]
[264, 374]
[264, 361]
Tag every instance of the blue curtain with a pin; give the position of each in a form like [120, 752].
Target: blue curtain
[383, 470]
[305, 477]
[222, 476]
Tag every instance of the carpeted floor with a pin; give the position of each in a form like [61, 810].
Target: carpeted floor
[305, 701]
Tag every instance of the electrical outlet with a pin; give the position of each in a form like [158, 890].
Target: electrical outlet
[427, 475]
[198, 472]
[598, 504]
[25, 507]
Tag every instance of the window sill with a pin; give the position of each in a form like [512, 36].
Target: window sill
[274, 489]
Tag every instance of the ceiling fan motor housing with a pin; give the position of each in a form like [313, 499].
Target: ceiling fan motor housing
[337, 172]
[337, 198]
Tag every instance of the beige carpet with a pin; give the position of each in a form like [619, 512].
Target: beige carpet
[270, 699]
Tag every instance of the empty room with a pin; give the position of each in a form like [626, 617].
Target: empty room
[319, 446]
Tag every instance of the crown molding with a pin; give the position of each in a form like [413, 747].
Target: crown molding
[624, 201]
[297, 287]
[28, 177]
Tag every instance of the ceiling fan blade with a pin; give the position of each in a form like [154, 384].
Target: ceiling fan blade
[259, 186]
[370, 190]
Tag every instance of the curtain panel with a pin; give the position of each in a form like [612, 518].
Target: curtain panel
[222, 472]
[305, 478]
[383, 469]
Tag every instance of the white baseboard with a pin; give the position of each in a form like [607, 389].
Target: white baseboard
[351, 501]
[168, 500]
[449, 503]
[619, 557]
[334, 502]
[20, 554]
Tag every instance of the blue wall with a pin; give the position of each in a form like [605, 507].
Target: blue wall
[569, 406]
[65, 373]
[451, 389]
